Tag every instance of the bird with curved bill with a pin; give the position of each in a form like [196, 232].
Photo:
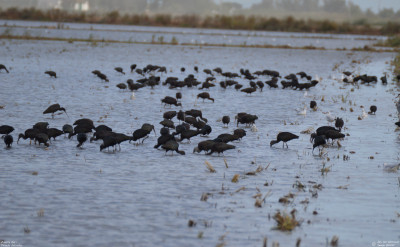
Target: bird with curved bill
[54, 108]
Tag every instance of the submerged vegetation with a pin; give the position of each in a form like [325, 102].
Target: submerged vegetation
[212, 21]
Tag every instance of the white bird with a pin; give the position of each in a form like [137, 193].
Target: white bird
[330, 118]
[254, 128]
[302, 112]
[363, 114]
[133, 96]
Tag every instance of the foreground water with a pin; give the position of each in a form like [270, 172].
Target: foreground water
[141, 197]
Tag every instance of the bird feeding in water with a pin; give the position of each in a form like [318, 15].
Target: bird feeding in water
[51, 73]
[284, 137]
[53, 108]
[8, 140]
[372, 109]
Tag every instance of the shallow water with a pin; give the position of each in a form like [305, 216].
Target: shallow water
[184, 35]
[141, 197]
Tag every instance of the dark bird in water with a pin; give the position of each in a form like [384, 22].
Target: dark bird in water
[164, 138]
[68, 129]
[208, 72]
[339, 123]
[172, 145]
[42, 138]
[41, 126]
[96, 72]
[168, 100]
[226, 120]
[284, 137]
[81, 137]
[4, 67]
[103, 77]
[205, 130]
[169, 115]
[313, 104]
[204, 146]
[239, 133]
[168, 123]
[238, 86]
[225, 138]
[260, 84]
[139, 134]
[53, 133]
[178, 96]
[133, 67]
[187, 134]
[6, 129]
[29, 133]
[164, 131]
[334, 134]
[384, 80]
[321, 131]
[245, 118]
[372, 109]
[347, 73]
[397, 123]
[108, 141]
[121, 86]
[196, 69]
[319, 141]
[220, 147]
[249, 90]
[51, 73]
[53, 108]
[120, 70]
[205, 95]
[84, 121]
[8, 140]
[183, 69]
[149, 127]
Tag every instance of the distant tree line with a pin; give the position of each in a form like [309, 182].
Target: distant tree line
[208, 21]
[208, 7]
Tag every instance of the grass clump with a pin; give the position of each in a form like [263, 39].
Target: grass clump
[286, 222]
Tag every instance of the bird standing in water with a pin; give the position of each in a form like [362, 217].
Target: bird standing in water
[53, 108]
[284, 137]
[8, 140]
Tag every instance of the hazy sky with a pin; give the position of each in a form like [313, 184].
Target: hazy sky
[374, 5]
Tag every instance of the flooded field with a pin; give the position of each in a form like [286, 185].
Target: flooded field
[66, 196]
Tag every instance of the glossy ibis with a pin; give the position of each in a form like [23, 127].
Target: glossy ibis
[205, 95]
[120, 70]
[54, 108]
[122, 86]
[313, 104]
[29, 133]
[6, 129]
[226, 120]
[51, 73]
[284, 137]
[133, 67]
[168, 100]
[8, 140]
[81, 137]
[108, 141]
[220, 147]
[42, 138]
[204, 146]
[339, 123]
[3, 67]
[372, 109]
[319, 141]
[172, 145]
